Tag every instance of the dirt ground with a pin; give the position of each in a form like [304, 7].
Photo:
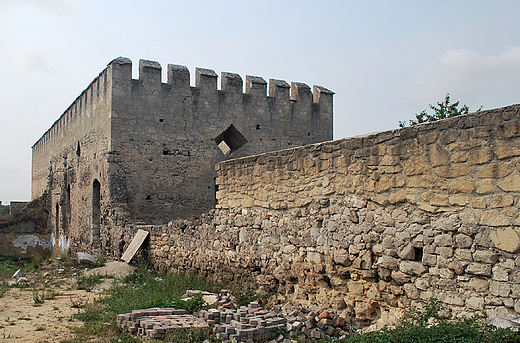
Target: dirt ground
[22, 321]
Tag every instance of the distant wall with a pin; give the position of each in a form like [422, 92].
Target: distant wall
[69, 158]
[25, 233]
[373, 224]
[17, 206]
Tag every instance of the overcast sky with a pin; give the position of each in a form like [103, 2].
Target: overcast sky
[386, 60]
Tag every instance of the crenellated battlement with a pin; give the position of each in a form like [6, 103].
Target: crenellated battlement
[178, 76]
[295, 112]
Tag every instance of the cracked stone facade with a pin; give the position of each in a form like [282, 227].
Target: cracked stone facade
[140, 150]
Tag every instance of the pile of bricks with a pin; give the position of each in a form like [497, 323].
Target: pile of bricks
[250, 322]
[246, 322]
[156, 322]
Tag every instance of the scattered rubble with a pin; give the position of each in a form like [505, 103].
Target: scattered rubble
[86, 258]
[505, 323]
[247, 322]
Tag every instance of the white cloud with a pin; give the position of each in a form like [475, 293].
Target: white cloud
[66, 4]
[29, 59]
[472, 77]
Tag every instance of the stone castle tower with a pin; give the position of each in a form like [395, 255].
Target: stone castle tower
[144, 151]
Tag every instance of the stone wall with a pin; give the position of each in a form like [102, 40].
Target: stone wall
[140, 150]
[370, 225]
[167, 137]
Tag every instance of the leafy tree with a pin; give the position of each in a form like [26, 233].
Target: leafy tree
[442, 110]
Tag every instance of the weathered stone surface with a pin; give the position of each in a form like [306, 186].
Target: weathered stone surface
[461, 186]
[510, 184]
[445, 240]
[452, 172]
[438, 156]
[494, 218]
[463, 241]
[485, 256]
[504, 150]
[479, 269]
[459, 200]
[478, 285]
[499, 289]
[494, 171]
[475, 303]
[506, 239]
[500, 201]
[484, 186]
[416, 166]
[479, 156]
[478, 203]
[412, 268]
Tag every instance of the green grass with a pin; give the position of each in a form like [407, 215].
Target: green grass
[426, 326]
[9, 265]
[141, 290]
[87, 283]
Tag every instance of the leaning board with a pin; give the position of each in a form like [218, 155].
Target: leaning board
[139, 238]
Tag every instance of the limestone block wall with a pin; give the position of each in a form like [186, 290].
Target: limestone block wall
[370, 225]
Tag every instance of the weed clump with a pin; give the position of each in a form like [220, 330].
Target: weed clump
[427, 326]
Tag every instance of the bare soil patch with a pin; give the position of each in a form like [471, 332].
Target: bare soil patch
[23, 320]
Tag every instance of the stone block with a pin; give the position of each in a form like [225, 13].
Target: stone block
[400, 278]
[480, 269]
[459, 200]
[460, 157]
[478, 285]
[463, 241]
[416, 166]
[499, 289]
[484, 186]
[438, 156]
[510, 184]
[494, 171]
[494, 218]
[451, 172]
[429, 260]
[485, 256]
[506, 239]
[504, 150]
[475, 303]
[461, 186]
[445, 240]
[479, 203]
[500, 201]
[438, 199]
[388, 262]
[412, 268]
[479, 156]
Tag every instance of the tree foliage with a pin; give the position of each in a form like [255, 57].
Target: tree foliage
[442, 110]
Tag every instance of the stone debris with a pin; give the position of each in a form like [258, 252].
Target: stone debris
[17, 274]
[86, 258]
[222, 300]
[505, 323]
[251, 322]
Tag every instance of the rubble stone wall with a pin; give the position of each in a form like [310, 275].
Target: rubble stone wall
[26, 233]
[372, 224]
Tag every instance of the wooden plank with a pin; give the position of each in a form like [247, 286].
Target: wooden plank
[138, 239]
